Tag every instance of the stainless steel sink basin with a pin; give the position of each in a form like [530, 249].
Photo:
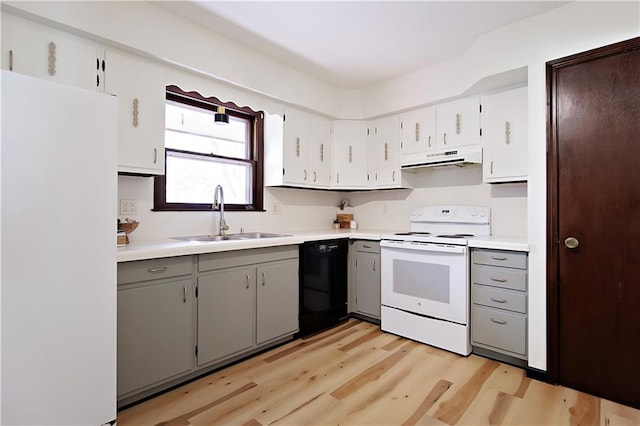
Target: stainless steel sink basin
[257, 235]
[236, 237]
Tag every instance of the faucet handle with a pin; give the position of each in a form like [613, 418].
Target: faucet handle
[224, 226]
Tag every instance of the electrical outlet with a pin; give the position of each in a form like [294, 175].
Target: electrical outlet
[276, 208]
[128, 207]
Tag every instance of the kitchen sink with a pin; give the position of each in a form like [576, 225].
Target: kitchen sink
[231, 237]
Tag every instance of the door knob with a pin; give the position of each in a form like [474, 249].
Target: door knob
[571, 242]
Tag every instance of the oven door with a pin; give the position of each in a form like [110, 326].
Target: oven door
[425, 278]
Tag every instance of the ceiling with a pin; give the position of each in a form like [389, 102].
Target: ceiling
[355, 44]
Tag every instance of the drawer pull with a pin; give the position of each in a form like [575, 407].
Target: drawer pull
[157, 270]
[498, 258]
[498, 321]
[366, 246]
[499, 280]
[495, 299]
[263, 279]
[247, 276]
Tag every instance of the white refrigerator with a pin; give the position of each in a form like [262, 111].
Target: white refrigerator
[58, 185]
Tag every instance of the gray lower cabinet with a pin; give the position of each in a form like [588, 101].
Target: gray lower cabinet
[367, 278]
[182, 316]
[499, 304]
[155, 322]
[246, 299]
[226, 301]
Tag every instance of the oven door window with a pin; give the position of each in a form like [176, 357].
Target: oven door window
[424, 280]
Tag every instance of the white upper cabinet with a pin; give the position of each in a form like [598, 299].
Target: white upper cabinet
[141, 90]
[458, 123]
[418, 131]
[43, 52]
[297, 147]
[384, 153]
[350, 165]
[505, 136]
[320, 152]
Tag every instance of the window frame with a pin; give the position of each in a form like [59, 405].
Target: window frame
[256, 150]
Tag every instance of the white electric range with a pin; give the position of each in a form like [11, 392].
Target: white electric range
[425, 275]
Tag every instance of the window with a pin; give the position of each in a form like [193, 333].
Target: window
[200, 154]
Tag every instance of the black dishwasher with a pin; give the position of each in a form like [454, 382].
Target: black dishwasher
[323, 284]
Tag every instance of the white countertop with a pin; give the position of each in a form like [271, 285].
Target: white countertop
[171, 247]
[499, 242]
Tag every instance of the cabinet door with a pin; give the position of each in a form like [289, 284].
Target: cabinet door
[226, 318]
[505, 136]
[458, 123]
[418, 131]
[368, 283]
[297, 147]
[350, 165]
[384, 153]
[154, 333]
[141, 92]
[320, 152]
[40, 51]
[277, 306]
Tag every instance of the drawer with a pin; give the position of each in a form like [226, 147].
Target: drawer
[145, 270]
[515, 279]
[499, 329]
[367, 246]
[508, 259]
[498, 298]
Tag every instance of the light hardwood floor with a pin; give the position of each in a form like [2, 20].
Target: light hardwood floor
[356, 374]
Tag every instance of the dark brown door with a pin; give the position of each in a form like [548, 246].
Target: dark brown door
[594, 222]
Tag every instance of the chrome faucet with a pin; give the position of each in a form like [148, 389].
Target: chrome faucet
[218, 203]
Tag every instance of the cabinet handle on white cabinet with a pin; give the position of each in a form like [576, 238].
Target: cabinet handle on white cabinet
[321, 152]
[298, 147]
[247, 277]
[184, 294]
[445, 138]
[499, 280]
[491, 167]
[314, 176]
[498, 321]
[458, 123]
[507, 132]
[429, 141]
[10, 60]
[263, 279]
[157, 270]
[305, 174]
[495, 299]
[350, 153]
[337, 177]
[52, 58]
[386, 151]
[136, 105]
[155, 155]
[393, 176]
[417, 132]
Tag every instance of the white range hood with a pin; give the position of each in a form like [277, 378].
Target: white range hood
[449, 157]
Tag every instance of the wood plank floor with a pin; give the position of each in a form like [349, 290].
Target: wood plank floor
[356, 374]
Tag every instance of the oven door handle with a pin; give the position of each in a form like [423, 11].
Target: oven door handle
[432, 247]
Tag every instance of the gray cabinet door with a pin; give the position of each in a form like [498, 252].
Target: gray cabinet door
[277, 307]
[154, 333]
[368, 283]
[226, 301]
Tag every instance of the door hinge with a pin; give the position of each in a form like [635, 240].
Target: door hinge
[480, 131]
[480, 107]
[196, 350]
